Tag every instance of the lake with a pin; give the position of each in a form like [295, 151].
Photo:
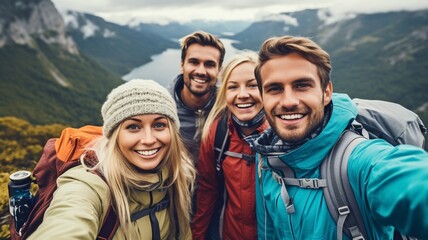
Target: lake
[165, 66]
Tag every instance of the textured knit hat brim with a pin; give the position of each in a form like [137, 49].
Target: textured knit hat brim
[137, 97]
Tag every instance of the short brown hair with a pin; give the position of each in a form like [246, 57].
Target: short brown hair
[204, 39]
[308, 49]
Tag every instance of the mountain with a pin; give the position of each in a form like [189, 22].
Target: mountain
[117, 47]
[375, 56]
[220, 28]
[301, 23]
[175, 30]
[44, 78]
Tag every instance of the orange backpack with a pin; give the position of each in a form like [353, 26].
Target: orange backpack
[59, 155]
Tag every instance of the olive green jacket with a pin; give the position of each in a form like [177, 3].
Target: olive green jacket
[81, 202]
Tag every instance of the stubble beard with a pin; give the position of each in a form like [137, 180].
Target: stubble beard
[198, 93]
[293, 134]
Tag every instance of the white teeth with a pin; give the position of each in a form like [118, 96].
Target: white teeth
[291, 116]
[245, 105]
[199, 80]
[148, 152]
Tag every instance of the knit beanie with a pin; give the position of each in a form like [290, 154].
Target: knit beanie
[137, 97]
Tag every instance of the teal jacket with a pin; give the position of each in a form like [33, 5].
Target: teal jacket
[390, 185]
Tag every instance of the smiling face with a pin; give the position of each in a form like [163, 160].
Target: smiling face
[242, 95]
[144, 140]
[293, 98]
[200, 69]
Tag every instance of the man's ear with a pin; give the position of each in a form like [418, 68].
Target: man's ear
[328, 92]
[181, 68]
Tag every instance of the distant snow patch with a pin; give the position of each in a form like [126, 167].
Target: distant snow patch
[89, 29]
[281, 18]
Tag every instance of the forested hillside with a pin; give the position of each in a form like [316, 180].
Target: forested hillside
[21, 145]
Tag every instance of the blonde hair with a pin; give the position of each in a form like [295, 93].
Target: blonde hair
[219, 108]
[121, 176]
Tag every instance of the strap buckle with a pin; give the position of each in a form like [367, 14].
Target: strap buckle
[344, 210]
[308, 183]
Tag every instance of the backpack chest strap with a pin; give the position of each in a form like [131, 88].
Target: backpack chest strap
[313, 183]
[247, 157]
[151, 213]
[151, 210]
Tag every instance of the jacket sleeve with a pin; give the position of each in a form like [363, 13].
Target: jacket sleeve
[77, 208]
[265, 225]
[207, 191]
[394, 185]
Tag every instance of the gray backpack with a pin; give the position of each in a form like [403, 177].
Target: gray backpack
[375, 119]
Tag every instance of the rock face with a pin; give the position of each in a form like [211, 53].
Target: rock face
[21, 21]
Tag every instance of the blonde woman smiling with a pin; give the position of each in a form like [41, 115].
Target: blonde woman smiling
[239, 100]
[145, 172]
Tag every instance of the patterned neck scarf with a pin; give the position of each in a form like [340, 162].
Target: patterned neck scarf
[269, 143]
[255, 122]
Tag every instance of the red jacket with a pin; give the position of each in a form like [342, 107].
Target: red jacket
[239, 177]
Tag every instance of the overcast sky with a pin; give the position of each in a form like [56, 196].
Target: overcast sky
[162, 11]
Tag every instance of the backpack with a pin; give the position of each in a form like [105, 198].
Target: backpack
[375, 119]
[60, 155]
[221, 146]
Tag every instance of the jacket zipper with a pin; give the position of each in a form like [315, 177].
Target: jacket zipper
[200, 121]
[291, 227]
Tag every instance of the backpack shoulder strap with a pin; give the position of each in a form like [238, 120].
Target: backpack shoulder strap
[338, 194]
[221, 145]
[111, 220]
[109, 226]
[221, 141]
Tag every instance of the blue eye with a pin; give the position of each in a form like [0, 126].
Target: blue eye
[133, 127]
[274, 89]
[159, 125]
[302, 85]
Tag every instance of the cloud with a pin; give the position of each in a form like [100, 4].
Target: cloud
[339, 10]
[288, 20]
[186, 10]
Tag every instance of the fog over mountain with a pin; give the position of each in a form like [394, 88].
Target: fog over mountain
[372, 53]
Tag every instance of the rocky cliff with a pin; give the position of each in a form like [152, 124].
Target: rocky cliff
[21, 22]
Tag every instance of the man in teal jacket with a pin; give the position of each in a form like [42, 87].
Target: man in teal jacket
[390, 183]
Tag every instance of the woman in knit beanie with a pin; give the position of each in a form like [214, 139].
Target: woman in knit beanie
[144, 164]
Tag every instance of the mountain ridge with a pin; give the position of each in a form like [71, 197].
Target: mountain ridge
[369, 51]
[118, 48]
[43, 76]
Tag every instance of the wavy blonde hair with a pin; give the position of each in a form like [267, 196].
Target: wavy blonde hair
[121, 176]
[219, 108]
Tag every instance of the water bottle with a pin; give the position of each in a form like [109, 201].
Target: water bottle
[20, 197]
